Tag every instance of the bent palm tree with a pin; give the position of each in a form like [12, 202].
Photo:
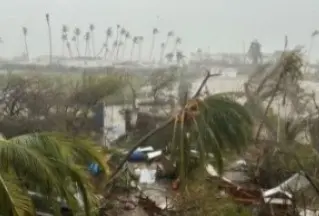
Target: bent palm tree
[47, 17]
[92, 28]
[155, 32]
[25, 33]
[134, 42]
[51, 165]
[77, 33]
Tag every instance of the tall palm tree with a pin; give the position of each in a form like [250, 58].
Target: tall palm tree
[75, 46]
[155, 32]
[92, 28]
[179, 57]
[254, 52]
[109, 34]
[68, 45]
[47, 17]
[170, 34]
[49, 165]
[178, 41]
[118, 29]
[25, 33]
[87, 43]
[105, 46]
[114, 46]
[134, 42]
[64, 37]
[140, 48]
[77, 33]
[120, 41]
[127, 36]
[162, 52]
[169, 57]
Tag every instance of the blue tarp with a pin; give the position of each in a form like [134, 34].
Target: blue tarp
[94, 169]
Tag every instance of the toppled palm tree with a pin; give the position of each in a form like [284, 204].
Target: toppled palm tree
[211, 125]
[25, 33]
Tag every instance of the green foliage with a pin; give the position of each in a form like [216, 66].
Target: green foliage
[51, 164]
[214, 125]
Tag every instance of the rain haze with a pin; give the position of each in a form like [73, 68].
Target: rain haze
[214, 25]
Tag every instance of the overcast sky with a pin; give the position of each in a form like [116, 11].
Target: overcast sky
[221, 25]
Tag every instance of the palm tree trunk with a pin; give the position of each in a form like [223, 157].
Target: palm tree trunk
[86, 48]
[132, 51]
[166, 44]
[78, 46]
[70, 51]
[50, 41]
[62, 48]
[140, 52]
[117, 50]
[26, 47]
[152, 48]
[162, 54]
[106, 51]
[93, 44]
[112, 53]
[124, 48]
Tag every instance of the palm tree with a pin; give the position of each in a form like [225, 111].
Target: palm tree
[77, 33]
[118, 29]
[68, 45]
[155, 32]
[178, 41]
[114, 46]
[87, 43]
[127, 36]
[47, 17]
[169, 57]
[50, 165]
[25, 33]
[134, 42]
[162, 52]
[92, 28]
[105, 46]
[254, 52]
[64, 37]
[170, 34]
[120, 43]
[179, 57]
[140, 42]
[109, 33]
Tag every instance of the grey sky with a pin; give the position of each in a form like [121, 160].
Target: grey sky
[222, 25]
